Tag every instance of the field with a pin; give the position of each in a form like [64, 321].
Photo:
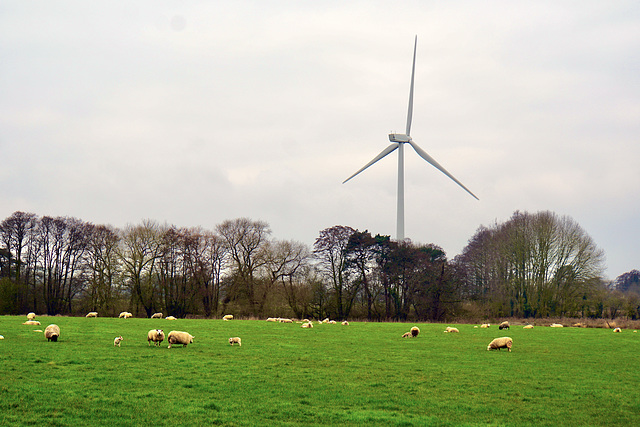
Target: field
[362, 374]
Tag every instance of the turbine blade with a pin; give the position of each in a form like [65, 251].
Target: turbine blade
[413, 72]
[384, 152]
[437, 165]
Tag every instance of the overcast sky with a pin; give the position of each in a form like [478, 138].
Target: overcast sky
[194, 112]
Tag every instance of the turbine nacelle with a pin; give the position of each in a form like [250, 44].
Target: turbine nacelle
[399, 137]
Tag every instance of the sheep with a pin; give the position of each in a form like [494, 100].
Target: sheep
[272, 319]
[227, 317]
[485, 325]
[286, 321]
[155, 335]
[170, 318]
[92, 314]
[345, 323]
[450, 329]
[52, 332]
[156, 316]
[31, 322]
[235, 340]
[179, 337]
[504, 325]
[307, 325]
[617, 330]
[414, 331]
[1, 337]
[498, 343]
[125, 315]
[117, 341]
[31, 316]
[556, 325]
[528, 327]
[326, 320]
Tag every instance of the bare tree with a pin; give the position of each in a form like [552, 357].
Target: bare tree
[104, 268]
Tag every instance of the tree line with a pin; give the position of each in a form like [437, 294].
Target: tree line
[533, 265]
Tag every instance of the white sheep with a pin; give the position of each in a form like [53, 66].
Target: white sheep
[156, 316]
[617, 330]
[414, 331]
[345, 323]
[125, 315]
[31, 316]
[485, 325]
[504, 325]
[528, 327]
[170, 318]
[556, 325]
[227, 317]
[1, 337]
[179, 337]
[307, 325]
[450, 329]
[235, 340]
[498, 343]
[52, 332]
[282, 320]
[92, 314]
[155, 335]
[117, 341]
[272, 319]
[31, 322]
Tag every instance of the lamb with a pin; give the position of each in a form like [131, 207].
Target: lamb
[31, 316]
[485, 325]
[170, 318]
[345, 323]
[117, 341]
[92, 314]
[235, 340]
[617, 330]
[556, 325]
[179, 337]
[1, 337]
[52, 332]
[227, 317]
[504, 325]
[450, 329]
[155, 335]
[31, 322]
[498, 343]
[528, 327]
[156, 316]
[406, 335]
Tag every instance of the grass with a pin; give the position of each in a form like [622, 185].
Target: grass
[362, 374]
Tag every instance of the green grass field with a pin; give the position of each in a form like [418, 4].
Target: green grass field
[362, 374]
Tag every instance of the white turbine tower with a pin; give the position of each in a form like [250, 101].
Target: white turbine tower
[398, 140]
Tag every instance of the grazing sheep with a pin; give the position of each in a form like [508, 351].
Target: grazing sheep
[286, 321]
[156, 316]
[155, 335]
[235, 340]
[504, 325]
[485, 325]
[170, 318]
[326, 320]
[272, 319]
[307, 325]
[414, 331]
[31, 316]
[450, 329]
[117, 341]
[556, 325]
[345, 323]
[31, 322]
[227, 317]
[406, 335]
[179, 337]
[617, 330]
[52, 332]
[92, 314]
[528, 327]
[498, 343]
[125, 314]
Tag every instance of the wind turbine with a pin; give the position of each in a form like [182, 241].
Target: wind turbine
[398, 140]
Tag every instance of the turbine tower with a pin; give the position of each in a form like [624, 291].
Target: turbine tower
[398, 140]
